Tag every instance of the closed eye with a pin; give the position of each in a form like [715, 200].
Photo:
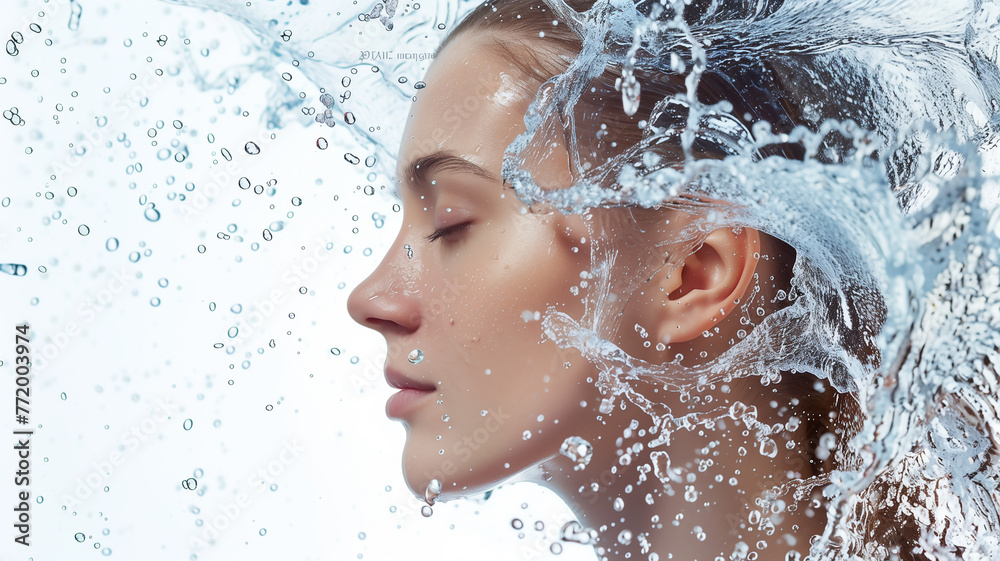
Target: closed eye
[445, 232]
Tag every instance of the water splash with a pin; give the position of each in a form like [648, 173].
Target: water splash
[892, 213]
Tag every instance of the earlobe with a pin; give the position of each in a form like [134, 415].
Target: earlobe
[708, 285]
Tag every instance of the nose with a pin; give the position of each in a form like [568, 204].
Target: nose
[387, 300]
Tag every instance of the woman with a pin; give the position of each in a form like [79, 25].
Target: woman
[607, 349]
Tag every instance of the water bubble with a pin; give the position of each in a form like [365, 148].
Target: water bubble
[267, 235]
[228, 156]
[80, 537]
[326, 99]
[619, 504]
[263, 531]
[71, 191]
[352, 159]
[190, 484]
[625, 537]
[516, 524]
[432, 491]
[416, 356]
[252, 148]
[83, 230]
[188, 423]
[349, 118]
[370, 161]
[154, 301]
[15, 269]
[426, 511]
[578, 450]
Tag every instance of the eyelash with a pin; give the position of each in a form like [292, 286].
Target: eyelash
[444, 232]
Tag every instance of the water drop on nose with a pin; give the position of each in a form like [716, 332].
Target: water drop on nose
[416, 356]
[432, 492]
[409, 251]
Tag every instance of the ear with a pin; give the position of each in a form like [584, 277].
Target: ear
[708, 285]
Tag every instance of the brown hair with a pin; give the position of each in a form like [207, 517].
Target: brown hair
[530, 36]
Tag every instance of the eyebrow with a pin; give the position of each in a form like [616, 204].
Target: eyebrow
[420, 169]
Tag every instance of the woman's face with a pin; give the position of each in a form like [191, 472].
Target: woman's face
[465, 281]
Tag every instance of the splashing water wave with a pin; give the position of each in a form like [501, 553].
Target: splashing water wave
[892, 212]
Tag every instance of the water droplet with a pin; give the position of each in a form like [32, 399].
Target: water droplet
[252, 148]
[578, 450]
[516, 524]
[352, 159]
[419, 85]
[321, 143]
[62, 396]
[190, 484]
[80, 537]
[432, 491]
[416, 356]
[619, 504]
[111, 244]
[15, 269]
[83, 230]
[267, 235]
[263, 531]
[625, 537]
[349, 118]
[426, 511]
[188, 423]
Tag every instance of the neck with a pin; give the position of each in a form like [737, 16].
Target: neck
[706, 492]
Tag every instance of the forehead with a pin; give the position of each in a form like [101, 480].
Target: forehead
[472, 107]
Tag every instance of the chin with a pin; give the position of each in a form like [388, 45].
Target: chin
[456, 479]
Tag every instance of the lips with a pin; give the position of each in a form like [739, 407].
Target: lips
[399, 381]
[410, 395]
